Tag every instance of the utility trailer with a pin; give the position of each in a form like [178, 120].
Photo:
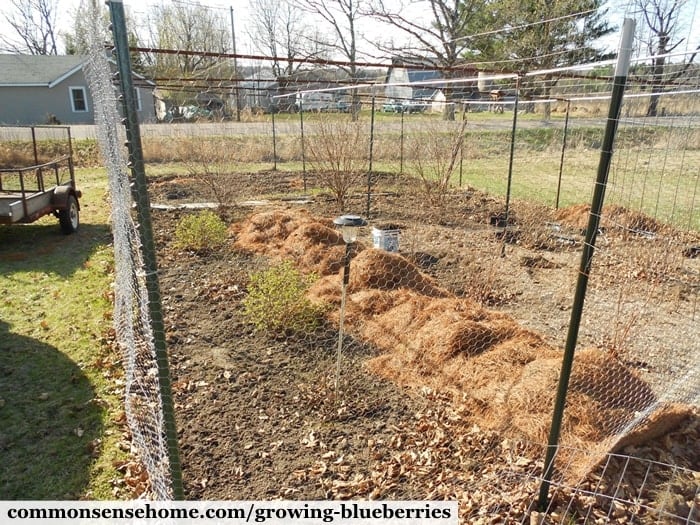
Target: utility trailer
[31, 192]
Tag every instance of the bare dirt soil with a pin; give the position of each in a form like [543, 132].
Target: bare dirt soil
[259, 414]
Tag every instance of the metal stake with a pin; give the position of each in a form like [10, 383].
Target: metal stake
[346, 279]
[371, 152]
[145, 230]
[620, 81]
[510, 164]
[563, 150]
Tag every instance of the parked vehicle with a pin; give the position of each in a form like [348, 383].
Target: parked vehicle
[315, 102]
[343, 106]
[415, 106]
[189, 113]
[406, 106]
[393, 106]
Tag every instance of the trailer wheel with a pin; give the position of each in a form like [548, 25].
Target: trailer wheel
[69, 218]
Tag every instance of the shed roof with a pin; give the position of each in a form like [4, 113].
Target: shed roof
[424, 75]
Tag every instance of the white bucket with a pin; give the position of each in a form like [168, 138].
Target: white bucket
[387, 240]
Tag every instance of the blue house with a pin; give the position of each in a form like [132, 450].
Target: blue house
[49, 89]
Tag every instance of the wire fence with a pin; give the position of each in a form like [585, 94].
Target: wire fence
[544, 152]
[459, 289]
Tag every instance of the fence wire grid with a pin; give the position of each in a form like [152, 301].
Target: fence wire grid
[459, 291]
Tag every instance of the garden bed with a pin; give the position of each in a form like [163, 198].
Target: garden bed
[259, 414]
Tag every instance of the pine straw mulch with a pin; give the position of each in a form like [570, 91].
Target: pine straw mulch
[258, 416]
[613, 217]
[499, 374]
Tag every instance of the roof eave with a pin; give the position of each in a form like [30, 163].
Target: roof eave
[65, 75]
[23, 84]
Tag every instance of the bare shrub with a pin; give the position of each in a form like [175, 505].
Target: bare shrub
[628, 314]
[337, 152]
[210, 164]
[436, 154]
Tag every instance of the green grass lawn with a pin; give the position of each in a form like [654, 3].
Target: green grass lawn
[60, 397]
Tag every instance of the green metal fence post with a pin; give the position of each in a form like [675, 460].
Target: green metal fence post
[510, 164]
[274, 143]
[563, 151]
[143, 211]
[401, 138]
[371, 153]
[620, 81]
[303, 152]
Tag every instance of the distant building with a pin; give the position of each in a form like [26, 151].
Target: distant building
[49, 89]
[258, 92]
[412, 80]
[262, 92]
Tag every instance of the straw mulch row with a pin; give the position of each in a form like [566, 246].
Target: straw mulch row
[613, 217]
[499, 373]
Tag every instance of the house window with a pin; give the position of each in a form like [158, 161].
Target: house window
[78, 99]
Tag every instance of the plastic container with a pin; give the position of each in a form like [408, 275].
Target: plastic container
[386, 239]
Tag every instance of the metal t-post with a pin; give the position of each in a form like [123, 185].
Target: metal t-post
[621, 70]
[563, 150]
[303, 153]
[36, 153]
[461, 147]
[371, 154]
[510, 164]
[401, 140]
[346, 280]
[143, 211]
[274, 143]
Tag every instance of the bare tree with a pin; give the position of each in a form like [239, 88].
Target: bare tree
[662, 19]
[342, 17]
[34, 25]
[439, 40]
[278, 31]
[77, 40]
[188, 27]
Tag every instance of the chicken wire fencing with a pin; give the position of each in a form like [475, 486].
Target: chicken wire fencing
[459, 288]
[133, 325]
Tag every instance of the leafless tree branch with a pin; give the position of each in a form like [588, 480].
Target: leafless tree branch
[34, 25]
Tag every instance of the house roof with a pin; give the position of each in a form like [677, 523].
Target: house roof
[42, 70]
[38, 70]
[423, 75]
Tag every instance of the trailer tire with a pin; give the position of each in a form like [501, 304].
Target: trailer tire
[69, 217]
